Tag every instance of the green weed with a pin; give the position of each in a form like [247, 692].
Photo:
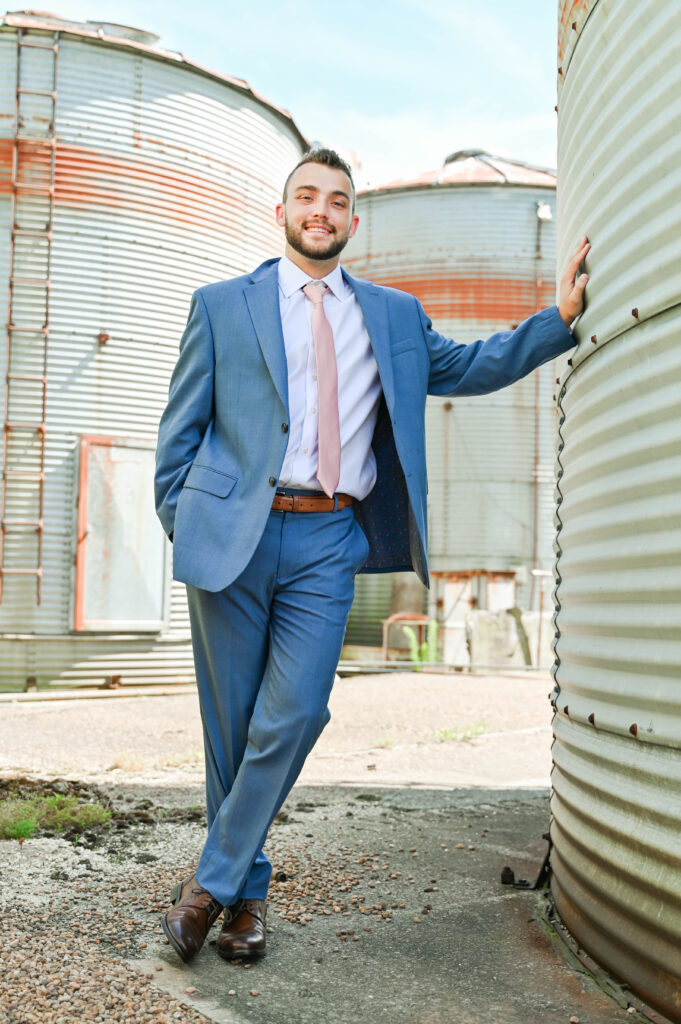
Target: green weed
[460, 735]
[21, 817]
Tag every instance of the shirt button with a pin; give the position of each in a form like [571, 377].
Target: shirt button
[304, 451]
[313, 409]
[284, 428]
[273, 481]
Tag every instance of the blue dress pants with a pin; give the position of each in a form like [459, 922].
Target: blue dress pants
[266, 650]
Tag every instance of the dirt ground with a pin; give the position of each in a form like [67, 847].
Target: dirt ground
[407, 729]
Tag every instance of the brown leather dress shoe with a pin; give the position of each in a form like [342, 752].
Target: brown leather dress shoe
[192, 916]
[243, 930]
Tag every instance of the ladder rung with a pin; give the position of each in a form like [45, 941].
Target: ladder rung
[38, 46]
[38, 190]
[15, 329]
[22, 90]
[28, 376]
[30, 280]
[8, 525]
[25, 426]
[43, 140]
[24, 474]
[32, 233]
[21, 572]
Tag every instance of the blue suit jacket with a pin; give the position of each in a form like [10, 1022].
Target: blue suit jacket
[223, 435]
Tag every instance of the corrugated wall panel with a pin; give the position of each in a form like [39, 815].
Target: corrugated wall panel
[470, 254]
[165, 179]
[616, 801]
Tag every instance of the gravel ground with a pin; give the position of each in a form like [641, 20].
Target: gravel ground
[391, 913]
[391, 909]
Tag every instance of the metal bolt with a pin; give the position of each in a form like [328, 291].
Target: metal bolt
[634, 312]
[633, 729]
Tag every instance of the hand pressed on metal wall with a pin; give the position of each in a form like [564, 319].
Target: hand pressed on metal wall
[571, 301]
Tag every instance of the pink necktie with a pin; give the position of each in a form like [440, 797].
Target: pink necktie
[328, 426]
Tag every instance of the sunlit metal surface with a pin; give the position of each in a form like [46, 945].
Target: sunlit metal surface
[165, 178]
[475, 242]
[617, 778]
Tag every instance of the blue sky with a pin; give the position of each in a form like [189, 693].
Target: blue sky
[401, 83]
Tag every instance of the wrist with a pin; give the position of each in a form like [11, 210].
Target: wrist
[567, 318]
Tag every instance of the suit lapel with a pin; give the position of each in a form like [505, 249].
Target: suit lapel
[374, 306]
[262, 300]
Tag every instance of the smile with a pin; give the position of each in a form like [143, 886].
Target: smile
[317, 229]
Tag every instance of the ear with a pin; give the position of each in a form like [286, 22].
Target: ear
[279, 214]
[353, 226]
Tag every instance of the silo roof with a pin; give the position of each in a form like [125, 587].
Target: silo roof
[141, 40]
[476, 167]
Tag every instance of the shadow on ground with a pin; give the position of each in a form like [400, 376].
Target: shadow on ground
[391, 910]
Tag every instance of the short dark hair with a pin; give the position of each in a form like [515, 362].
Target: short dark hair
[329, 158]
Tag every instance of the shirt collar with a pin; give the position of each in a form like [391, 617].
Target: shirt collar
[291, 278]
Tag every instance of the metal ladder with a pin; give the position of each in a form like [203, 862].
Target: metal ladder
[22, 494]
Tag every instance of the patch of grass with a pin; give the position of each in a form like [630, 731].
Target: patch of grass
[460, 735]
[21, 817]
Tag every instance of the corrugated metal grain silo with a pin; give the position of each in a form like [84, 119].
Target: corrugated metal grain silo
[128, 177]
[475, 242]
[616, 806]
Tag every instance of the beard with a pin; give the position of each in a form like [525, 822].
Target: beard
[294, 237]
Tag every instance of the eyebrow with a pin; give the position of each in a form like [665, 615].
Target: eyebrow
[313, 188]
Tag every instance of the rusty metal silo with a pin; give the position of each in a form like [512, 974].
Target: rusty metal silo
[616, 805]
[475, 242]
[128, 177]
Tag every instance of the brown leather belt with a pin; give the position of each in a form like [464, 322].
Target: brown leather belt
[310, 502]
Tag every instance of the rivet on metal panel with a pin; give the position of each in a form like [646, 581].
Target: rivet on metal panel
[633, 729]
[103, 337]
[557, 380]
[592, 718]
[594, 338]
[634, 312]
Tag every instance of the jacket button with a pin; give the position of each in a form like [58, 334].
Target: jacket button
[284, 428]
[273, 481]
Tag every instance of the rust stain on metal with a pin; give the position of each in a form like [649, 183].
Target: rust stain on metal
[634, 312]
[476, 167]
[469, 297]
[594, 339]
[571, 17]
[85, 176]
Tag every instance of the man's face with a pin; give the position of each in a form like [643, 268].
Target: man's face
[317, 215]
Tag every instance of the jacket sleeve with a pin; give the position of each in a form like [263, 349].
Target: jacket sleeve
[505, 357]
[188, 413]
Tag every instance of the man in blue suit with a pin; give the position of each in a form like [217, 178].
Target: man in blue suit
[268, 551]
